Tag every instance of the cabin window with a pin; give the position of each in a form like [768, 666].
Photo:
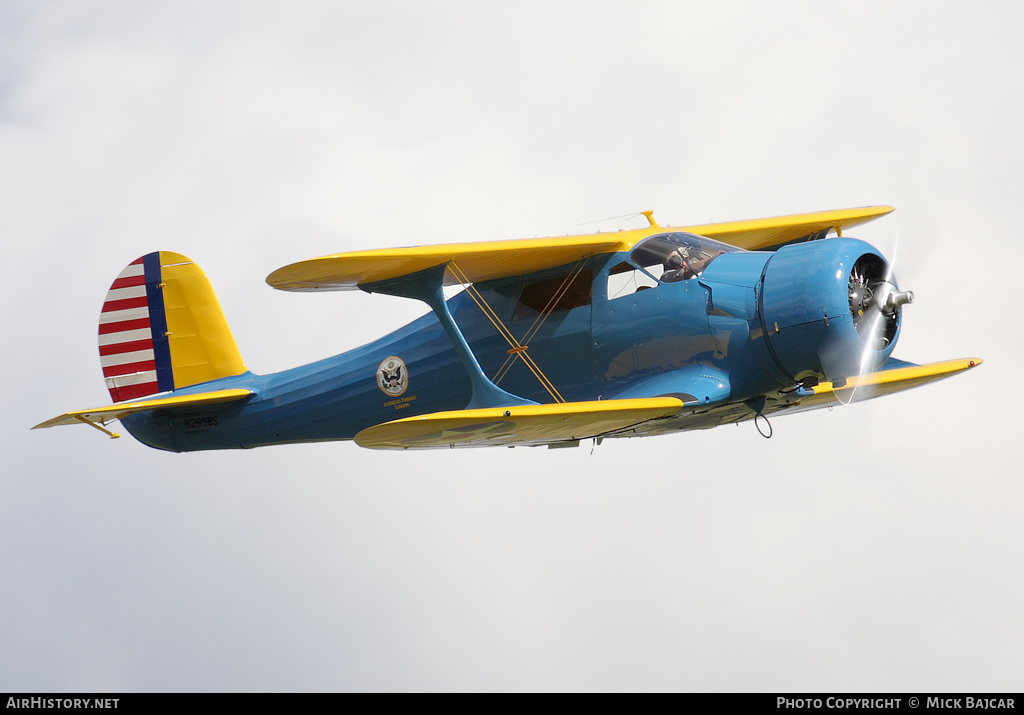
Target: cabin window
[554, 294]
[626, 279]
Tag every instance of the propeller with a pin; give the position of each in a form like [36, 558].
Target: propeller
[875, 303]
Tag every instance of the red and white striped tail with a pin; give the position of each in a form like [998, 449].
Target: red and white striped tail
[127, 352]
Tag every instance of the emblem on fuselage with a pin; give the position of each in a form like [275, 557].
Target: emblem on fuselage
[393, 376]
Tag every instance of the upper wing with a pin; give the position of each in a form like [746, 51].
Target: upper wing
[484, 261]
[762, 234]
[101, 415]
[518, 425]
[477, 261]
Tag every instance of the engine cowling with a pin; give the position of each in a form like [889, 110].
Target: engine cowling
[829, 309]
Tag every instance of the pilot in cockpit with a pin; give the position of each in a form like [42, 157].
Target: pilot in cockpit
[680, 265]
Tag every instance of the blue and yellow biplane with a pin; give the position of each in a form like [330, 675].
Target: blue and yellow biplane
[555, 340]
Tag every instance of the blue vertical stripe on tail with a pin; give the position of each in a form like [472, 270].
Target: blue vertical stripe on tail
[158, 322]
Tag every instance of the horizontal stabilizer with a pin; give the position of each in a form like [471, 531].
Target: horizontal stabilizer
[883, 382]
[102, 415]
[517, 425]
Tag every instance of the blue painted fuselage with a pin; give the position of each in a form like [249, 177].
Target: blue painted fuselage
[710, 339]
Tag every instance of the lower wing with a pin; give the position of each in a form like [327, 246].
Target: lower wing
[900, 376]
[567, 423]
[533, 425]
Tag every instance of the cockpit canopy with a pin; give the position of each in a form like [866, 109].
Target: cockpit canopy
[663, 258]
[677, 256]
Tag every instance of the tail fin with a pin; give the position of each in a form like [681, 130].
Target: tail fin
[162, 328]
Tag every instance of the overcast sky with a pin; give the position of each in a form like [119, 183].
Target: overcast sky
[874, 547]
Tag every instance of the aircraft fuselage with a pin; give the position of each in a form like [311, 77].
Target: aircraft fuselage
[708, 339]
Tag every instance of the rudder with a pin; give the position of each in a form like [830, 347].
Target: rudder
[162, 328]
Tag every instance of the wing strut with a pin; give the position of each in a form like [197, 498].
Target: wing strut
[427, 285]
[97, 425]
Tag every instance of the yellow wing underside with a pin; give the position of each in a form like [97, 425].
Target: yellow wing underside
[502, 259]
[572, 421]
[867, 387]
[885, 382]
[519, 425]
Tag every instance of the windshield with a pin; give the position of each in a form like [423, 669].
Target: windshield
[677, 256]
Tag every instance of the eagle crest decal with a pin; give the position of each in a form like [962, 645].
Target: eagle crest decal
[393, 376]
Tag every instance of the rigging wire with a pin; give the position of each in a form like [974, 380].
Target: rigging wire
[506, 333]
